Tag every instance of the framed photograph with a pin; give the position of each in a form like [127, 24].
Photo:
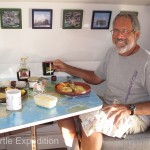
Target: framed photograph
[42, 18]
[72, 19]
[11, 18]
[101, 19]
[130, 12]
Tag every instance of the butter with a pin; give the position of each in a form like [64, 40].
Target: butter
[45, 100]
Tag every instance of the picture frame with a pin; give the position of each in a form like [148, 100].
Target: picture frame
[42, 18]
[101, 19]
[11, 18]
[130, 12]
[72, 18]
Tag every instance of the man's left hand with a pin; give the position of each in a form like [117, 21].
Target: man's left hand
[117, 111]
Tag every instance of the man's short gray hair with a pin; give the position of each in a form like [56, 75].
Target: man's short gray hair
[133, 17]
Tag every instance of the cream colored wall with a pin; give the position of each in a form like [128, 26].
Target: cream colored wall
[80, 45]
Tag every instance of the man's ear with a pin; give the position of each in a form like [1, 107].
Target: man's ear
[137, 34]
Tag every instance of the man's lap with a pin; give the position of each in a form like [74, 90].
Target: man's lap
[91, 122]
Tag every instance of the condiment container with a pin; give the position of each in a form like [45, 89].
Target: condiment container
[53, 78]
[45, 100]
[33, 81]
[23, 72]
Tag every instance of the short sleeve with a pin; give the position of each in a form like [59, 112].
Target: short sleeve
[101, 71]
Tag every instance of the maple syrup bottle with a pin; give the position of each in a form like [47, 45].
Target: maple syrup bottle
[23, 72]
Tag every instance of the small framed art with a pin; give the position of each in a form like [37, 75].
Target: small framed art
[72, 19]
[42, 18]
[101, 19]
[130, 12]
[11, 18]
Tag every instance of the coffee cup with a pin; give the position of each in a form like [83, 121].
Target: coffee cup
[13, 99]
[47, 67]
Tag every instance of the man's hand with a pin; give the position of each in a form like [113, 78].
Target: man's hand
[117, 111]
[59, 65]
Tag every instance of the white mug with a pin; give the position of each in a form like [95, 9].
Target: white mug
[13, 99]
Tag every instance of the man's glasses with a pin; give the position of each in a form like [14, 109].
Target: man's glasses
[124, 32]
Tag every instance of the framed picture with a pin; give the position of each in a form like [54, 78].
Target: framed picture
[42, 18]
[72, 19]
[11, 18]
[130, 12]
[101, 19]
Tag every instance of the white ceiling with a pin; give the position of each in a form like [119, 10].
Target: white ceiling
[124, 2]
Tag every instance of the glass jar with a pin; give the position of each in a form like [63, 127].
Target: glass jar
[23, 72]
[33, 81]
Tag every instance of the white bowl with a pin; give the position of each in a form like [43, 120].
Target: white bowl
[45, 100]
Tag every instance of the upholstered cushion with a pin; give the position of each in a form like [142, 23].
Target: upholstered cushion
[140, 141]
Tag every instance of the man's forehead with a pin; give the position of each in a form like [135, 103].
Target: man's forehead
[123, 22]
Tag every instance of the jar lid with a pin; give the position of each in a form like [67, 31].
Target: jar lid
[33, 79]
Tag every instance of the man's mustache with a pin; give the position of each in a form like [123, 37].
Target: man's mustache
[120, 40]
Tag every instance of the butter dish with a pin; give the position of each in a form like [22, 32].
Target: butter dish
[45, 100]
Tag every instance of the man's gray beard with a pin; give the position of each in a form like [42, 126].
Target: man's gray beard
[125, 49]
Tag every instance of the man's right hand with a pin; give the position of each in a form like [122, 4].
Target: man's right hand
[59, 65]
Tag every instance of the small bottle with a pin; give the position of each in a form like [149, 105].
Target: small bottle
[23, 72]
[53, 78]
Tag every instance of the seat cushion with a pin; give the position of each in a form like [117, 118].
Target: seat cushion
[140, 141]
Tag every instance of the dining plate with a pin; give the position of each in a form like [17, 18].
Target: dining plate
[72, 88]
[3, 95]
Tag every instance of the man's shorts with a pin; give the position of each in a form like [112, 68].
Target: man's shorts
[137, 125]
[95, 122]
